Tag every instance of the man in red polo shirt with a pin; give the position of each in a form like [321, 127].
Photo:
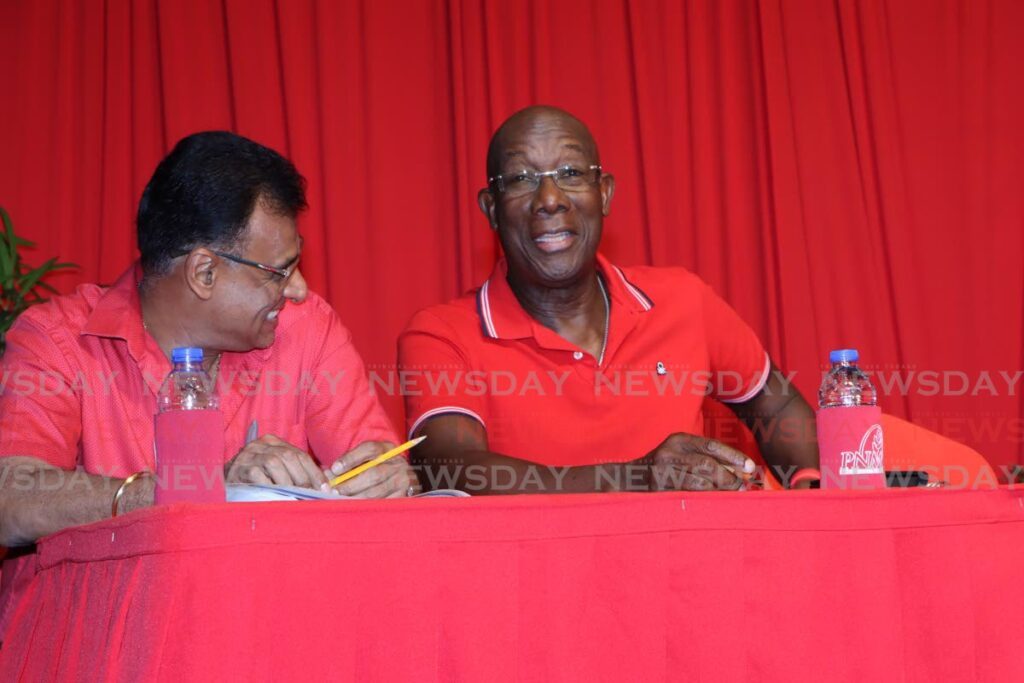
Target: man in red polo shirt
[219, 266]
[564, 372]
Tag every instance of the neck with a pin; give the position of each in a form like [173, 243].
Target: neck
[577, 313]
[161, 319]
[549, 305]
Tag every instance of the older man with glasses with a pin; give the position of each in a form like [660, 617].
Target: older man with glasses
[219, 270]
[566, 373]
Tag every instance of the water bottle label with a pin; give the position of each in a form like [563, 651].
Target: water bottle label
[851, 447]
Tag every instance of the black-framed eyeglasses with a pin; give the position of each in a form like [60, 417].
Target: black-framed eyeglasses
[571, 178]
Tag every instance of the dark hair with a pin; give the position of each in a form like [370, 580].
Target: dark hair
[204, 192]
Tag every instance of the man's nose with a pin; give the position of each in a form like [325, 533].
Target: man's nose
[549, 197]
[295, 290]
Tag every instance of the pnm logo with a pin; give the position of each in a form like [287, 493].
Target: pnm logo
[868, 458]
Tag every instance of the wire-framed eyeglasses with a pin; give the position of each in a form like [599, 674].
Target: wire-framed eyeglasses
[571, 178]
[283, 273]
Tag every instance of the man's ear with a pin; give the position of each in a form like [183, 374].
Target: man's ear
[201, 272]
[485, 200]
[607, 191]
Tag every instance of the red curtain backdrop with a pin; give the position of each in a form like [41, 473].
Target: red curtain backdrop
[844, 173]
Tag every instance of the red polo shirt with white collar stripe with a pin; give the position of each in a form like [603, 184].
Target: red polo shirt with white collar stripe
[671, 342]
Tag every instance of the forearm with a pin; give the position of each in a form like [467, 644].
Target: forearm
[37, 499]
[783, 426]
[787, 437]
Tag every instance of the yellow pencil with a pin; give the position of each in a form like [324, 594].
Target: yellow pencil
[356, 471]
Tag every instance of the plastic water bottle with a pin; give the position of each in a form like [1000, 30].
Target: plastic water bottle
[846, 384]
[188, 386]
[189, 433]
[850, 442]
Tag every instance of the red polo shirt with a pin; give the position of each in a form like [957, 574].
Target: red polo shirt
[671, 342]
[79, 379]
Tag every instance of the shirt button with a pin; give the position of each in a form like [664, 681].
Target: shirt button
[578, 355]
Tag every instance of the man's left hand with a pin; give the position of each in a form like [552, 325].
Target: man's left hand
[392, 479]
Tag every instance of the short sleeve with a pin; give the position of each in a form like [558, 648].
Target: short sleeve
[40, 411]
[739, 362]
[342, 410]
[437, 377]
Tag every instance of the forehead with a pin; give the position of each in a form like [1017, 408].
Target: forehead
[271, 233]
[543, 136]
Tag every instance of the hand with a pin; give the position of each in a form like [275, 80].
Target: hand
[391, 479]
[269, 460]
[693, 463]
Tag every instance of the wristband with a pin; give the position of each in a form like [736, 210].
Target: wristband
[802, 474]
[124, 487]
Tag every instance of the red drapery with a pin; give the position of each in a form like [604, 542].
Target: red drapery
[844, 173]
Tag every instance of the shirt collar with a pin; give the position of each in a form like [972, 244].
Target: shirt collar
[502, 316]
[118, 312]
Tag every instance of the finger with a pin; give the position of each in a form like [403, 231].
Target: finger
[368, 450]
[728, 455]
[277, 471]
[294, 462]
[721, 475]
[414, 481]
[692, 482]
[670, 477]
[237, 467]
[412, 486]
[316, 476]
[374, 477]
[252, 474]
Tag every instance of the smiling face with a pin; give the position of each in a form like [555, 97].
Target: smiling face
[249, 299]
[550, 236]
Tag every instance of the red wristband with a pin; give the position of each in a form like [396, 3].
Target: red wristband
[802, 474]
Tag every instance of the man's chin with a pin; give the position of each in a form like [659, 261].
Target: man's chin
[562, 268]
[265, 340]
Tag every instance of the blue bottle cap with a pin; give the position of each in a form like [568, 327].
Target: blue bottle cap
[843, 356]
[187, 354]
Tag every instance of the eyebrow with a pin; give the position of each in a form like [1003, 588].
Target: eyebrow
[290, 262]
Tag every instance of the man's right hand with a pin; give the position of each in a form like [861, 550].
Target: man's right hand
[685, 462]
[269, 460]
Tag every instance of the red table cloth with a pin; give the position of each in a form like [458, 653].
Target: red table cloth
[910, 585]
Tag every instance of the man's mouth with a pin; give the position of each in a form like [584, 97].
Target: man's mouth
[551, 242]
[272, 316]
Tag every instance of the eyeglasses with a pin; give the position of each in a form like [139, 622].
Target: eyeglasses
[283, 273]
[569, 178]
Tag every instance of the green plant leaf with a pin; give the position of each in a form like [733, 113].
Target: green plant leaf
[28, 281]
[8, 253]
[21, 286]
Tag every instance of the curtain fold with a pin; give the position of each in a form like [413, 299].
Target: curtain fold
[844, 173]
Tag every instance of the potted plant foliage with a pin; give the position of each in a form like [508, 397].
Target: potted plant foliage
[21, 285]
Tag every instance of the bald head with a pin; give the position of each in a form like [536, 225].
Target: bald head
[536, 120]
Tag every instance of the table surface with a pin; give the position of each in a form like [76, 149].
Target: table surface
[888, 585]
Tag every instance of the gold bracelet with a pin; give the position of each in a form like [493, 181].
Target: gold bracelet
[124, 487]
